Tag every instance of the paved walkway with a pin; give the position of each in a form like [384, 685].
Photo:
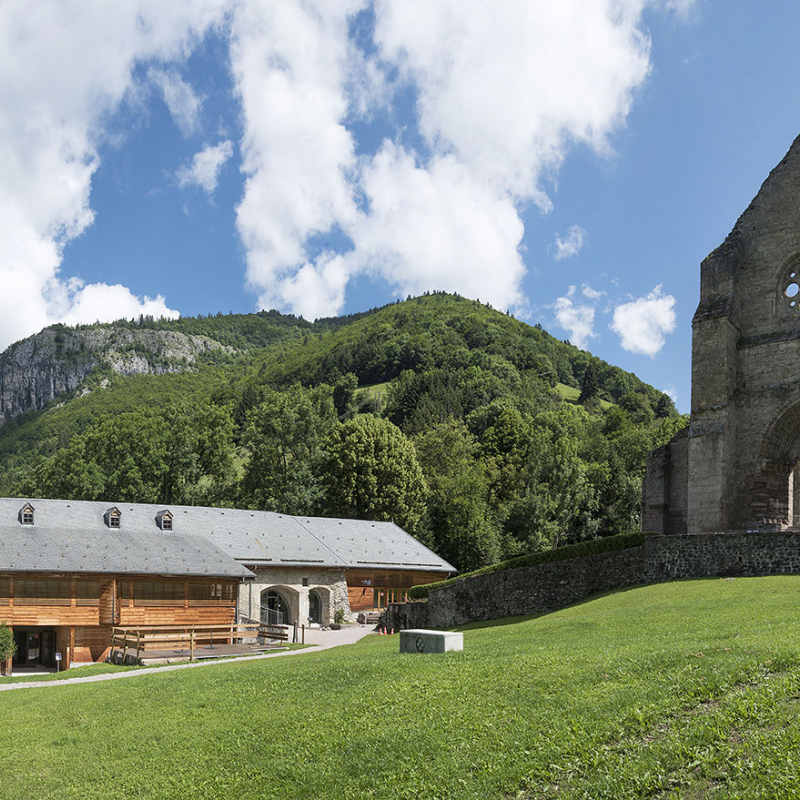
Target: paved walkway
[318, 639]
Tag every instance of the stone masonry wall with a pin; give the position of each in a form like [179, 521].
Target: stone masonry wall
[548, 587]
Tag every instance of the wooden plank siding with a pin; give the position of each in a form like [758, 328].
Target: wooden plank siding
[372, 589]
[84, 612]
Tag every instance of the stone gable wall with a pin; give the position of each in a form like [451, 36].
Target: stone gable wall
[548, 587]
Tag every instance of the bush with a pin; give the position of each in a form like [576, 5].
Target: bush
[338, 617]
[605, 544]
[7, 647]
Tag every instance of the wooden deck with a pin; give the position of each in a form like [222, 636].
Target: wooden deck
[165, 644]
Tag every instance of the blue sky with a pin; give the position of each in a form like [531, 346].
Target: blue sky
[572, 162]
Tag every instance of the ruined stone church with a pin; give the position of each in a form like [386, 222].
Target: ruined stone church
[736, 466]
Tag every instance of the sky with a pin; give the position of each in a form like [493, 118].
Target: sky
[571, 163]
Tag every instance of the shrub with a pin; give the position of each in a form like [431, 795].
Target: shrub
[605, 544]
[338, 617]
[7, 647]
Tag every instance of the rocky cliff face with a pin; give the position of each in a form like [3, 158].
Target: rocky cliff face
[57, 361]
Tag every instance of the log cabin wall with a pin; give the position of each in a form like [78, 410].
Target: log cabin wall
[83, 608]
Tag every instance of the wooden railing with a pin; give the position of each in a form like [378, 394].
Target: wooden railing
[128, 641]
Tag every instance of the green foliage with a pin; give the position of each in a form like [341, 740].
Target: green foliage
[177, 455]
[285, 435]
[338, 617]
[525, 443]
[604, 545]
[7, 646]
[459, 524]
[372, 472]
[588, 385]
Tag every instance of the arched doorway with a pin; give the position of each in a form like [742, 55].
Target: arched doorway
[275, 609]
[774, 499]
[314, 608]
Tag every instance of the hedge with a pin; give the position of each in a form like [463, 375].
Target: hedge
[591, 547]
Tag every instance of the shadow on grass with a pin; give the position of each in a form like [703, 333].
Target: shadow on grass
[500, 621]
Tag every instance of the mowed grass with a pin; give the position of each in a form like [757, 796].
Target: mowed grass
[682, 690]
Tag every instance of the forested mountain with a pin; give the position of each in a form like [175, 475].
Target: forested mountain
[484, 436]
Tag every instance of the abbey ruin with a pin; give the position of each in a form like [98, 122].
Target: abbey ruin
[735, 466]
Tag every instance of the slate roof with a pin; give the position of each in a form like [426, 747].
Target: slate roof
[75, 533]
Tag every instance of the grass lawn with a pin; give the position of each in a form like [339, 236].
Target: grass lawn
[684, 690]
[571, 394]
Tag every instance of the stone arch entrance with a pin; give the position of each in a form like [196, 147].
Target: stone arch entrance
[319, 605]
[775, 484]
[279, 605]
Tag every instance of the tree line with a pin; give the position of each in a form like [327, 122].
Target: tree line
[480, 463]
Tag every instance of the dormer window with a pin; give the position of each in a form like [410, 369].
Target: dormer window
[26, 514]
[113, 518]
[164, 520]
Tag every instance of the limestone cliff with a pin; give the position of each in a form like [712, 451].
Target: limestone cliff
[57, 361]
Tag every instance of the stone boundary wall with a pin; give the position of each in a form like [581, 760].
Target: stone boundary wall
[551, 586]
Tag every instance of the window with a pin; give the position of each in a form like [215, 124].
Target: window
[164, 520]
[212, 594]
[53, 592]
[88, 593]
[158, 593]
[305, 581]
[113, 518]
[26, 514]
[4, 595]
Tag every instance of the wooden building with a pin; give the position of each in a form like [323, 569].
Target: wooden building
[72, 570]
[66, 578]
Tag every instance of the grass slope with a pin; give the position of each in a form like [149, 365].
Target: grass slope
[683, 690]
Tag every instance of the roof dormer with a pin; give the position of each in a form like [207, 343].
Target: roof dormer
[113, 518]
[164, 520]
[26, 514]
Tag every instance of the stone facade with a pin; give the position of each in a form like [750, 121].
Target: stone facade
[547, 587]
[295, 586]
[743, 443]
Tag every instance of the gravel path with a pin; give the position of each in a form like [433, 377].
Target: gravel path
[318, 639]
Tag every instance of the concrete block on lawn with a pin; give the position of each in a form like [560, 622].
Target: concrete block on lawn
[424, 641]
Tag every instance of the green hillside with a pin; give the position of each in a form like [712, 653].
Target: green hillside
[502, 439]
[683, 690]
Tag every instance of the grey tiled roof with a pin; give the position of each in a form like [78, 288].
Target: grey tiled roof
[249, 537]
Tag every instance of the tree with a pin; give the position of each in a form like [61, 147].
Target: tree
[7, 646]
[372, 472]
[459, 524]
[179, 454]
[344, 394]
[588, 385]
[285, 436]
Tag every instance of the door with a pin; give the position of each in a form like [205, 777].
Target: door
[21, 648]
[48, 650]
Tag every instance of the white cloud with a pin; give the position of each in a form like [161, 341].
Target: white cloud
[682, 8]
[571, 244]
[183, 104]
[99, 302]
[504, 91]
[591, 294]
[671, 393]
[291, 63]
[437, 227]
[64, 67]
[642, 323]
[577, 320]
[205, 167]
